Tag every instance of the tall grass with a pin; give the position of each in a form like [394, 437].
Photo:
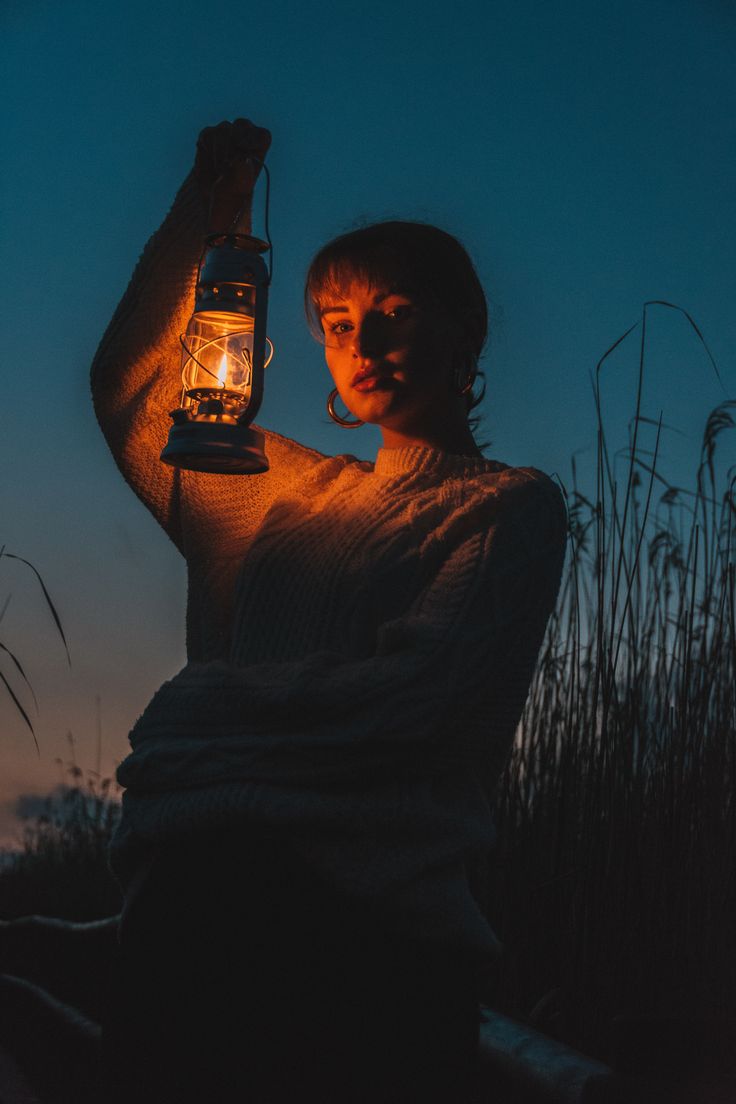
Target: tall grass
[6, 653]
[61, 868]
[615, 885]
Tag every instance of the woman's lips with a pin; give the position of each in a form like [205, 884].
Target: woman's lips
[372, 383]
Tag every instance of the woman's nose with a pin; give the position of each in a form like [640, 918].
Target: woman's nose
[367, 340]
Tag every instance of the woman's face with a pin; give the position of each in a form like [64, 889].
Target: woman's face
[389, 356]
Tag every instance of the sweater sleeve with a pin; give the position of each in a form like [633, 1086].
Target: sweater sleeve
[135, 373]
[443, 690]
[136, 383]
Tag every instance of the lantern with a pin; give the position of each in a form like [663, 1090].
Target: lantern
[223, 358]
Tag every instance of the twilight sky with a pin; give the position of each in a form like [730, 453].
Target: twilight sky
[583, 151]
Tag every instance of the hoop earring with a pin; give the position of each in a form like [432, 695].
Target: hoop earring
[336, 417]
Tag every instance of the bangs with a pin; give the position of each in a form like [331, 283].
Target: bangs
[339, 265]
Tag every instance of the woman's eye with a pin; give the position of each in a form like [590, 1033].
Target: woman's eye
[340, 327]
[400, 312]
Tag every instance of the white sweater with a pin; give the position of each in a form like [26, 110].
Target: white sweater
[361, 637]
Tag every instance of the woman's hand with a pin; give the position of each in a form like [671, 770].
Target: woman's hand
[226, 167]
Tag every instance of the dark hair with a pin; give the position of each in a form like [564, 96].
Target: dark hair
[416, 258]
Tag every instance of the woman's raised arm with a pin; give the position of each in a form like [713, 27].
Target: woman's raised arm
[136, 374]
[136, 378]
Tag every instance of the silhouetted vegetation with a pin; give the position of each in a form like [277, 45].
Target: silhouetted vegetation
[61, 869]
[16, 667]
[614, 886]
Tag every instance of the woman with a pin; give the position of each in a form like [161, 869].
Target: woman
[307, 799]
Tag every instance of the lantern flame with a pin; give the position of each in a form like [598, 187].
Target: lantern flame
[222, 373]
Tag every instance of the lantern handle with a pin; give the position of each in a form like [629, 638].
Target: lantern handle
[232, 229]
[264, 166]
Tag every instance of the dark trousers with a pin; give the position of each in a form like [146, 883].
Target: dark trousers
[241, 977]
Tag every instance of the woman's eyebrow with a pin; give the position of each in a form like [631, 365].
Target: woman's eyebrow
[377, 299]
[329, 310]
[392, 291]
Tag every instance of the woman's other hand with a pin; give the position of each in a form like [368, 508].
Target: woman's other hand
[226, 167]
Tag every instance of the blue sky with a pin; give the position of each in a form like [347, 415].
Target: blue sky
[584, 152]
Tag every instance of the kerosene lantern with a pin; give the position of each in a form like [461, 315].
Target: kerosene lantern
[223, 359]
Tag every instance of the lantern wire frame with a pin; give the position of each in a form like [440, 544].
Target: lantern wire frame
[245, 354]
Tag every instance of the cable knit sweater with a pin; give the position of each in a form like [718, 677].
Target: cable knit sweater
[361, 637]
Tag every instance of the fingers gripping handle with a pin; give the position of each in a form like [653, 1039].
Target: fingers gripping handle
[228, 160]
